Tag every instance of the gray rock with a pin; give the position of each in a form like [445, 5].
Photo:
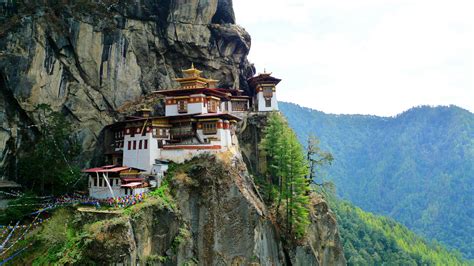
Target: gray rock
[89, 59]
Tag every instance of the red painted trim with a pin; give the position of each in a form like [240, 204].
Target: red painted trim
[192, 147]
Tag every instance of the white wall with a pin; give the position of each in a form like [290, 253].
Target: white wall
[261, 103]
[141, 158]
[159, 170]
[224, 139]
[103, 192]
[193, 108]
[181, 155]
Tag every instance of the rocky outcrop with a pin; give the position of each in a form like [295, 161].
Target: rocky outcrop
[90, 58]
[216, 217]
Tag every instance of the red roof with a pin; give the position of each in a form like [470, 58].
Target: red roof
[184, 92]
[133, 184]
[130, 179]
[109, 169]
[220, 115]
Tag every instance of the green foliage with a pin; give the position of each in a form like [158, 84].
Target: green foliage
[163, 192]
[63, 241]
[182, 236]
[48, 168]
[416, 167]
[287, 168]
[18, 208]
[155, 259]
[369, 239]
[317, 158]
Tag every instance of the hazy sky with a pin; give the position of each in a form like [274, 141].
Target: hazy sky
[364, 56]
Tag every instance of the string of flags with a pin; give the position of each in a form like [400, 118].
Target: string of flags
[22, 236]
[6, 228]
[118, 202]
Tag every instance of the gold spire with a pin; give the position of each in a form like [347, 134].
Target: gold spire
[265, 72]
[192, 72]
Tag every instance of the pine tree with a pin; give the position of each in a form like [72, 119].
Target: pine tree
[288, 167]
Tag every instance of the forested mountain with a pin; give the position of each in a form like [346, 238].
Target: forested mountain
[370, 239]
[417, 167]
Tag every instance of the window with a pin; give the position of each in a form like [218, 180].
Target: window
[134, 144]
[140, 145]
[267, 92]
[268, 102]
[129, 145]
[145, 144]
[95, 182]
[209, 128]
[182, 106]
[239, 105]
[100, 182]
[212, 106]
[161, 133]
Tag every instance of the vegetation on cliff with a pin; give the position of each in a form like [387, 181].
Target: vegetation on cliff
[287, 189]
[416, 167]
[48, 166]
[77, 237]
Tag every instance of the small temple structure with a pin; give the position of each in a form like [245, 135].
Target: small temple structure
[199, 118]
[263, 88]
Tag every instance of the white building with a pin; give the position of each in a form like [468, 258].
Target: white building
[113, 181]
[264, 89]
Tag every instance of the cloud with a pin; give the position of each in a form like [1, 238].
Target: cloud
[366, 56]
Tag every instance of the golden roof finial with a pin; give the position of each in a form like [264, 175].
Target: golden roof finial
[192, 65]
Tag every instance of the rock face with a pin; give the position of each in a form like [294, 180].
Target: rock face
[217, 218]
[90, 58]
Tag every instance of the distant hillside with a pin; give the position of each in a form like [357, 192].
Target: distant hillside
[370, 239]
[417, 167]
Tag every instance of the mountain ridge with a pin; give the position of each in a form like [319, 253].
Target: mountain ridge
[415, 167]
[422, 106]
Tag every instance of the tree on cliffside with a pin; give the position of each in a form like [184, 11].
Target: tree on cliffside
[48, 167]
[287, 168]
[316, 157]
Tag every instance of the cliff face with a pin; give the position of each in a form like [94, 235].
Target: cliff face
[214, 216]
[89, 59]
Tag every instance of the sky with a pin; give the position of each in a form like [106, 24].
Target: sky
[377, 57]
